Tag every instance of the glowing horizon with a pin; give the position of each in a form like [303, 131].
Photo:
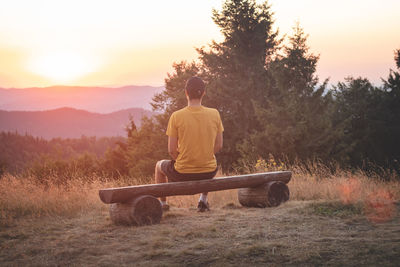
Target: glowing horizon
[124, 42]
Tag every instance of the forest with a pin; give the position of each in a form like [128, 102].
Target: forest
[271, 102]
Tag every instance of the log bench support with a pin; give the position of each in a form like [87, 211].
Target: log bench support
[271, 194]
[138, 205]
[142, 210]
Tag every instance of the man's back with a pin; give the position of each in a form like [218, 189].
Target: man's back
[196, 128]
[194, 137]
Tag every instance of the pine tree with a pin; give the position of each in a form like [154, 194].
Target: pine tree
[391, 105]
[369, 119]
[295, 119]
[354, 108]
[235, 70]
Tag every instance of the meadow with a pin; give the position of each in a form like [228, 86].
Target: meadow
[339, 218]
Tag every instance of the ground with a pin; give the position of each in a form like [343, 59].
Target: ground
[295, 233]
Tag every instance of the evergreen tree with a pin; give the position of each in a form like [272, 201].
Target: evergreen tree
[353, 110]
[392, 84]
[145, 147]
[235, 70]
[391, 115]
[368, 118]
[295, 119]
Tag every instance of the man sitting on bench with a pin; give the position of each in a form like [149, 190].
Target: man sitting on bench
[194, 137]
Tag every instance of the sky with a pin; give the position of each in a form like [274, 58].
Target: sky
[129, 42]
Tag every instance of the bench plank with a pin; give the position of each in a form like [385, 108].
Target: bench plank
[124, 194]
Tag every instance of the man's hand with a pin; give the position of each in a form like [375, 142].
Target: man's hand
[173, 147]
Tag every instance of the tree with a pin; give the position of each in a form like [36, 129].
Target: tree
[235, 70]
[354, 107]
[144, 147]
[295, 119]
[392, 84]
[370, 119]
[391, 107]
[115, 162]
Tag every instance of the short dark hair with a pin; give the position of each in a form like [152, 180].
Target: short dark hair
[195, 87]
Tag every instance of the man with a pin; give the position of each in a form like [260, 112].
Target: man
[194, 137]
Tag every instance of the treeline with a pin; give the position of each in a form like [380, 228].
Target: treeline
[272, 102]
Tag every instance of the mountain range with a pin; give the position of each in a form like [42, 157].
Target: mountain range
[69, 122]
[73, 111]
[92, 99]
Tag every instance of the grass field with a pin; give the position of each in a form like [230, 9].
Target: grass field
[344, 219]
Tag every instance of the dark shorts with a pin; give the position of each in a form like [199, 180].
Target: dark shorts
[167, 167]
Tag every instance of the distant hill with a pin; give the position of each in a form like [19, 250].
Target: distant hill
[69, 122]
[93, 99]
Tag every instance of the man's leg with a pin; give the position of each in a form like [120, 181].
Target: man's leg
[160, 177]
[203, 203]
[203, 197]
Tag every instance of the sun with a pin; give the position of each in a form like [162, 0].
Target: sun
[61, 66]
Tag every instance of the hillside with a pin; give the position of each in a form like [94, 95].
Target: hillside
[69, 122]
[93, 99]
[48, 226]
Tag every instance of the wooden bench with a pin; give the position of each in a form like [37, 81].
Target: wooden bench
[139, 205]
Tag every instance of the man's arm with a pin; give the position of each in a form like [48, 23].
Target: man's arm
[173, 147]
[218, 142]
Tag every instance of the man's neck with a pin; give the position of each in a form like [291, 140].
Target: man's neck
[194, 102]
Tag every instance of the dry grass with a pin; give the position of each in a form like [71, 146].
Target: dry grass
[320, 184]
[330, 219]
[345, 186]
[22, 197]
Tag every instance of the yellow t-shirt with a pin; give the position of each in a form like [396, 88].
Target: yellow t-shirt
[196, 129]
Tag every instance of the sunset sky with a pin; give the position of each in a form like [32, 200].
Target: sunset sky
[126, 42]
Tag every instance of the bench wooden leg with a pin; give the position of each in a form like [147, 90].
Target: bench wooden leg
[271, 194]
[142, 210]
